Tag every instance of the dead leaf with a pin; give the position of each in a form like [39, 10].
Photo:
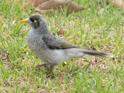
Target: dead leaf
[55, 4]
[4, 55]
[36, 2]
[118, 3]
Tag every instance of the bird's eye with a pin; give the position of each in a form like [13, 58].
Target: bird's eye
[33, 20]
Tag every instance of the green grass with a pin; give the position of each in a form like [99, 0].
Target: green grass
[100, 26]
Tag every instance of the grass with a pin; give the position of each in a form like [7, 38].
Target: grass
[100, 26]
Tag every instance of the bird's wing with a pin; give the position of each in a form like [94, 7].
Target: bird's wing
[56, 43]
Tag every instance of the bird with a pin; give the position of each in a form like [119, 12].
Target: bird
[52, 50]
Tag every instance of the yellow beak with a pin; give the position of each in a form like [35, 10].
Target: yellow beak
[24, 21]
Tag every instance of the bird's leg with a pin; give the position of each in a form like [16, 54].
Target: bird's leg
[41, 65]
[50, 69]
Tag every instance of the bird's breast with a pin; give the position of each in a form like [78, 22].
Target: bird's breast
[35, 41]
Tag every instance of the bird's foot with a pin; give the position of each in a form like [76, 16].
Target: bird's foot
[50, 74]
[49, 69]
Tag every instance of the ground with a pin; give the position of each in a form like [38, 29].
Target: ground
[100, 26]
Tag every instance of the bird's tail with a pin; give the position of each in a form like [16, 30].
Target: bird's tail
[94, 53]
[77, 52]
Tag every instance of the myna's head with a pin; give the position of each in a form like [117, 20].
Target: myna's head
[35, 21]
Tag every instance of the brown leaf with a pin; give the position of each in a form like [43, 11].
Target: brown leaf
[4, 55]
[118, 3]
[36, 2]
[55, 4]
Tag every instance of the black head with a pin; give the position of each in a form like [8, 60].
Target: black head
[37, 21]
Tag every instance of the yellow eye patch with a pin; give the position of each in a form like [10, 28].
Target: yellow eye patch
[35, 21]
